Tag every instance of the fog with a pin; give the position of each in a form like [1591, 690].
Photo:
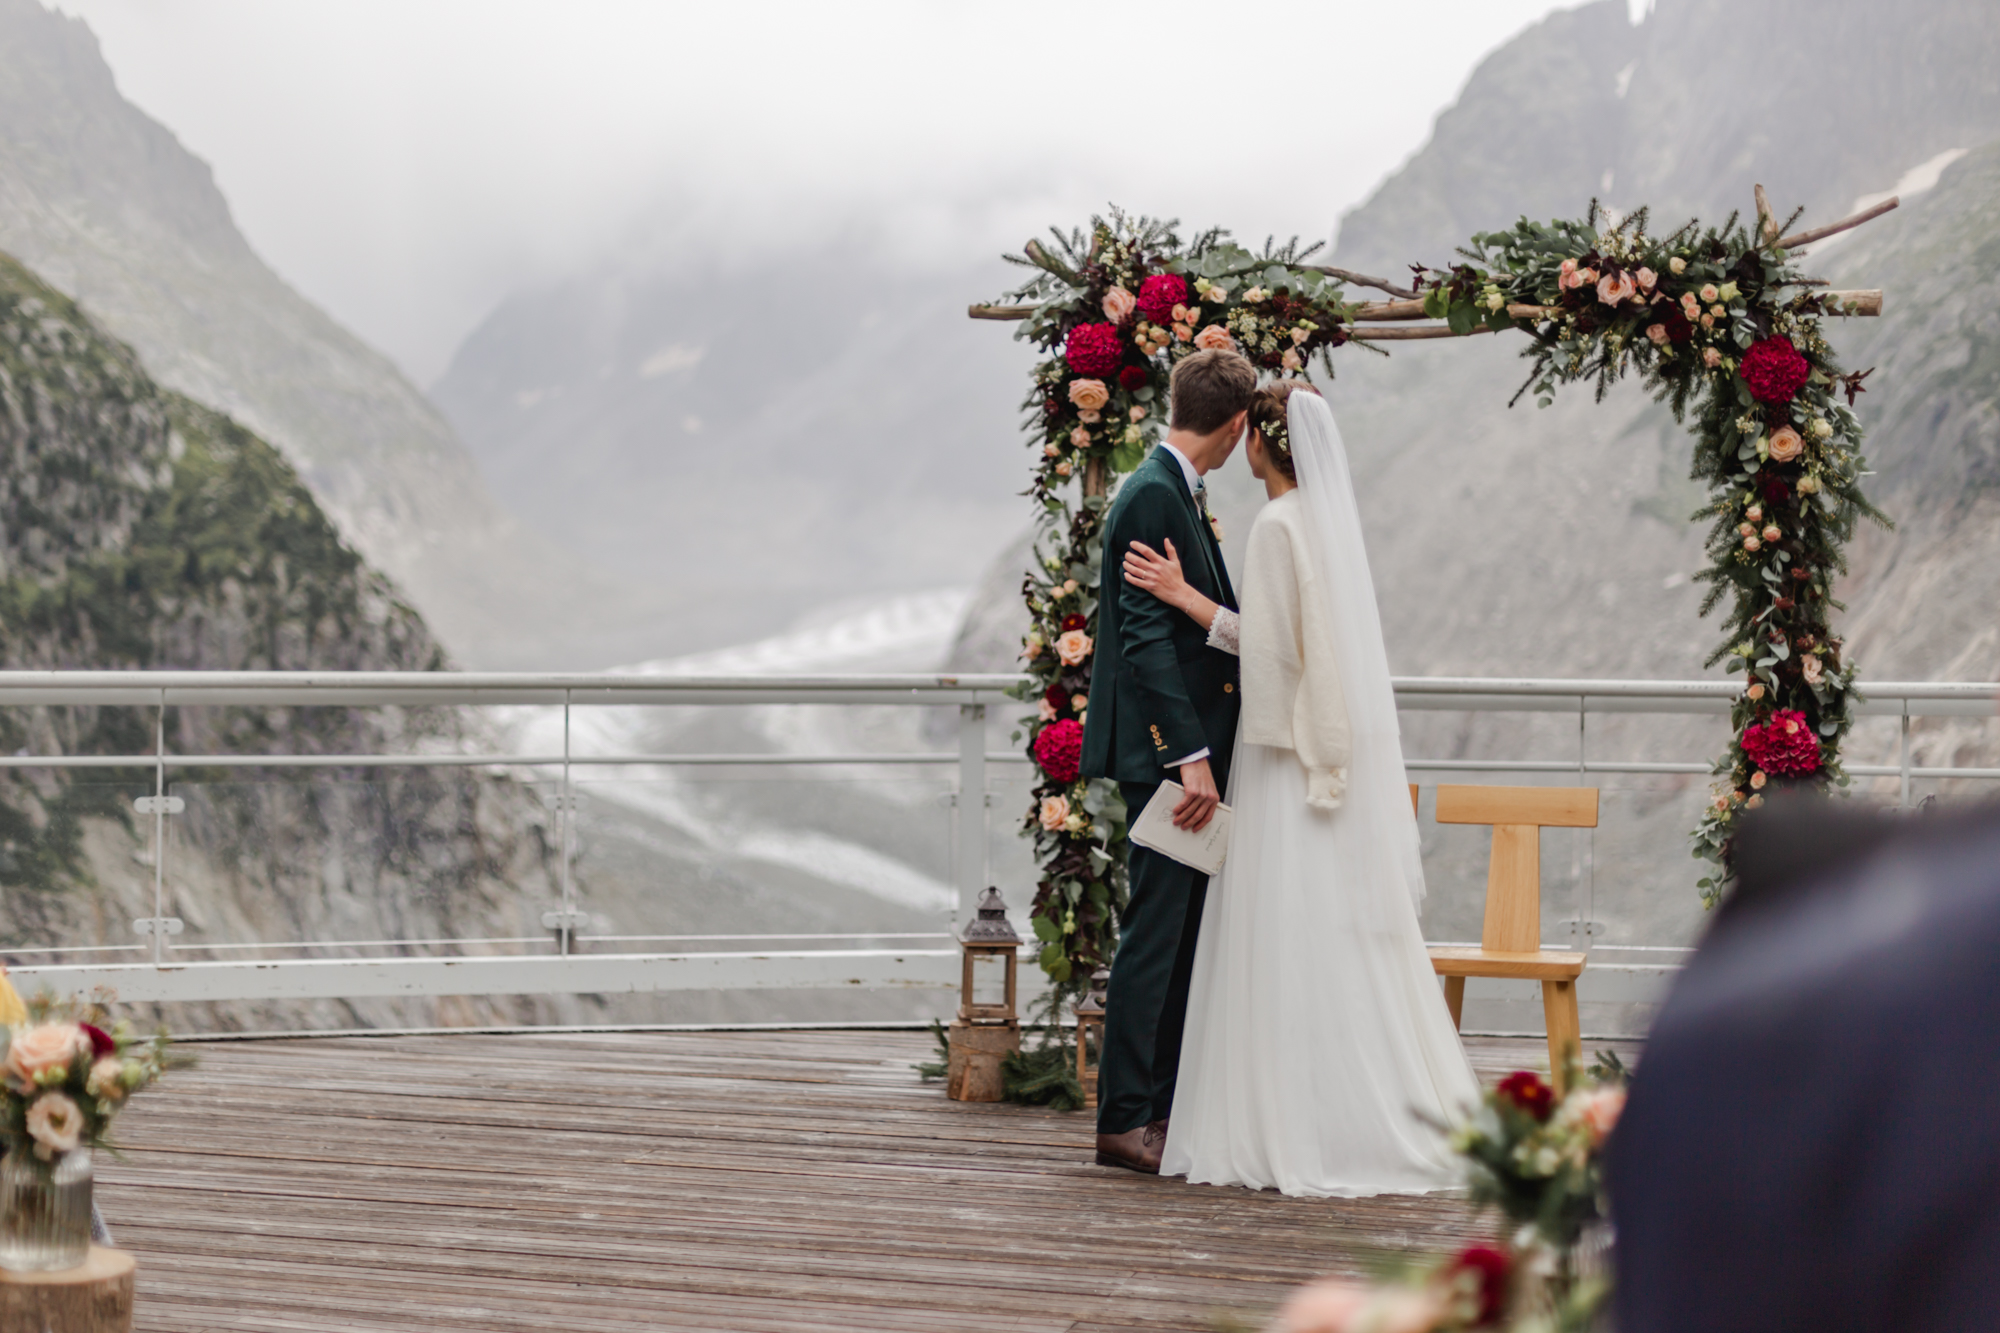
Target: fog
[408, 165]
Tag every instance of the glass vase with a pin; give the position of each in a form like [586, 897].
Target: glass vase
[44, 1210]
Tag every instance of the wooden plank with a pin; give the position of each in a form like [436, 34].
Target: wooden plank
[1553, 964]
[1549, 807]
[781, 1181]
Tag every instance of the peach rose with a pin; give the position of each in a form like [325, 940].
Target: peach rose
[1647, 278]
[1326, 1306]
[1079, 702]
[1047, 711]
[1138, 413]
[1079, 438]
[1118, 303]
[1658, 334]
[55, 1123]
[1755, 513]
[1708, 292]
[1182, 333]
[1716, 312]
[41, 1048]
[1180, 314]
[1756, 690]
[1050, 449]
[1072, 647]
[105, 1081]
[1688, 304]
[1710, 357]
[1612, 290]
[1090, 395]
[1214, 338]
[1786, 444]
[1300, 334]
[1598, 1111]
[1752, 544]
[1757, 781]
[1812, 670]
[1290, 360]
[1746, 529]
[1772, 532]
[1063, 469]
[1708, 321]
[1568, 267]
[1055, 813]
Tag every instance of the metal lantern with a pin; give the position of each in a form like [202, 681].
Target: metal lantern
[985, 1033]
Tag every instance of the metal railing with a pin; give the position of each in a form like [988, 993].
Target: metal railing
[571, 961]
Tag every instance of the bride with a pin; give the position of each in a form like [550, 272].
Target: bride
[1318, 1043]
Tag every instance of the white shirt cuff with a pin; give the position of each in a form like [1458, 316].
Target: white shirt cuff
[1198, 754]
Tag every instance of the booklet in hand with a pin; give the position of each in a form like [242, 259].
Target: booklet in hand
[1204, 850]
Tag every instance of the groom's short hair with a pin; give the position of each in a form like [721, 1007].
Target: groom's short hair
[1208, 388]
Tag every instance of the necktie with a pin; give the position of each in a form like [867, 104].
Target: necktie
[1201, 497]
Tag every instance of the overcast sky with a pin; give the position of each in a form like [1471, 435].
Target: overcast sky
[406, 163]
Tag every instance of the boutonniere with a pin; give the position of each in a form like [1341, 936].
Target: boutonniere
[1215, 526]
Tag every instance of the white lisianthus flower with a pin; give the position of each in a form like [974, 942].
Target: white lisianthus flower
[1254, 295]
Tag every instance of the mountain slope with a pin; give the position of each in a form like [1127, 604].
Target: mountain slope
[139, 529]
[106, 205]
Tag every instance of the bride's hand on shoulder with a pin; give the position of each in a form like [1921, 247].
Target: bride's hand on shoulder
[1158, 574]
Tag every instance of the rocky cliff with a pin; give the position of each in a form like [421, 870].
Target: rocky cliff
[109, 208]
[140, 529]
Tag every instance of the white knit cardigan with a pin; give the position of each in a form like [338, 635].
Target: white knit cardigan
[1291, 683]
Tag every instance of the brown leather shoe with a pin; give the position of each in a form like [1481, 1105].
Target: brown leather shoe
[1135, 1149]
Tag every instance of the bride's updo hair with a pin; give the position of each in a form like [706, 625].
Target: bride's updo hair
[1268, 419]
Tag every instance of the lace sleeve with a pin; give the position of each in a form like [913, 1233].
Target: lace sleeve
[1226, 632]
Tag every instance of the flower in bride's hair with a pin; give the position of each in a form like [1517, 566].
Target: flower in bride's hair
[1214, 338]
[1119, 305]
[1055, 812]
[1090, 395]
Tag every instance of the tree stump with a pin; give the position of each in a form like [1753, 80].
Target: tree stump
[973, 1072]
[93, 1297]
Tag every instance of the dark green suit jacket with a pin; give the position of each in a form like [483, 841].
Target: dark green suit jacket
[1158, 692]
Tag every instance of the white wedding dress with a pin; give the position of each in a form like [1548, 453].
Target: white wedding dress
[1318, 1043]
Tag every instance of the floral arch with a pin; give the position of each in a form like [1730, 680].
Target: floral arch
[1718, 322]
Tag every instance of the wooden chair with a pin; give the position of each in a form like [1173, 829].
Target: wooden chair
[1511, 943]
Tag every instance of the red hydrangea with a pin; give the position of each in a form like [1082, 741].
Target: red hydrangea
[1491, 1265]
[1159, 294]
[1529, 1092]
[1059, 749]
[1094, 350]
[1132, 378]
[1786, 745]
[1774, 370]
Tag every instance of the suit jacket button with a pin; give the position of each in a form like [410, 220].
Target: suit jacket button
[1228, 688]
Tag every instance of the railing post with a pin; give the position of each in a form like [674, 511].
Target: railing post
[970, 813]
[1903, 755]
[568, 815]
[160, 833]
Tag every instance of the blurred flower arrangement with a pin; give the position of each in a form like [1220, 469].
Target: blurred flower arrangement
[1537, 1160]
[1720, 325]
[1114, 306]
[64, 1077]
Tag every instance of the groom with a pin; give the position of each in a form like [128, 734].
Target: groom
[1164, 706]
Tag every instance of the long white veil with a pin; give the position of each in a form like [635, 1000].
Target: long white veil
[1378, 797]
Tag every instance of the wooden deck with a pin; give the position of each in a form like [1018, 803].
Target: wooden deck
[768, 1181]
